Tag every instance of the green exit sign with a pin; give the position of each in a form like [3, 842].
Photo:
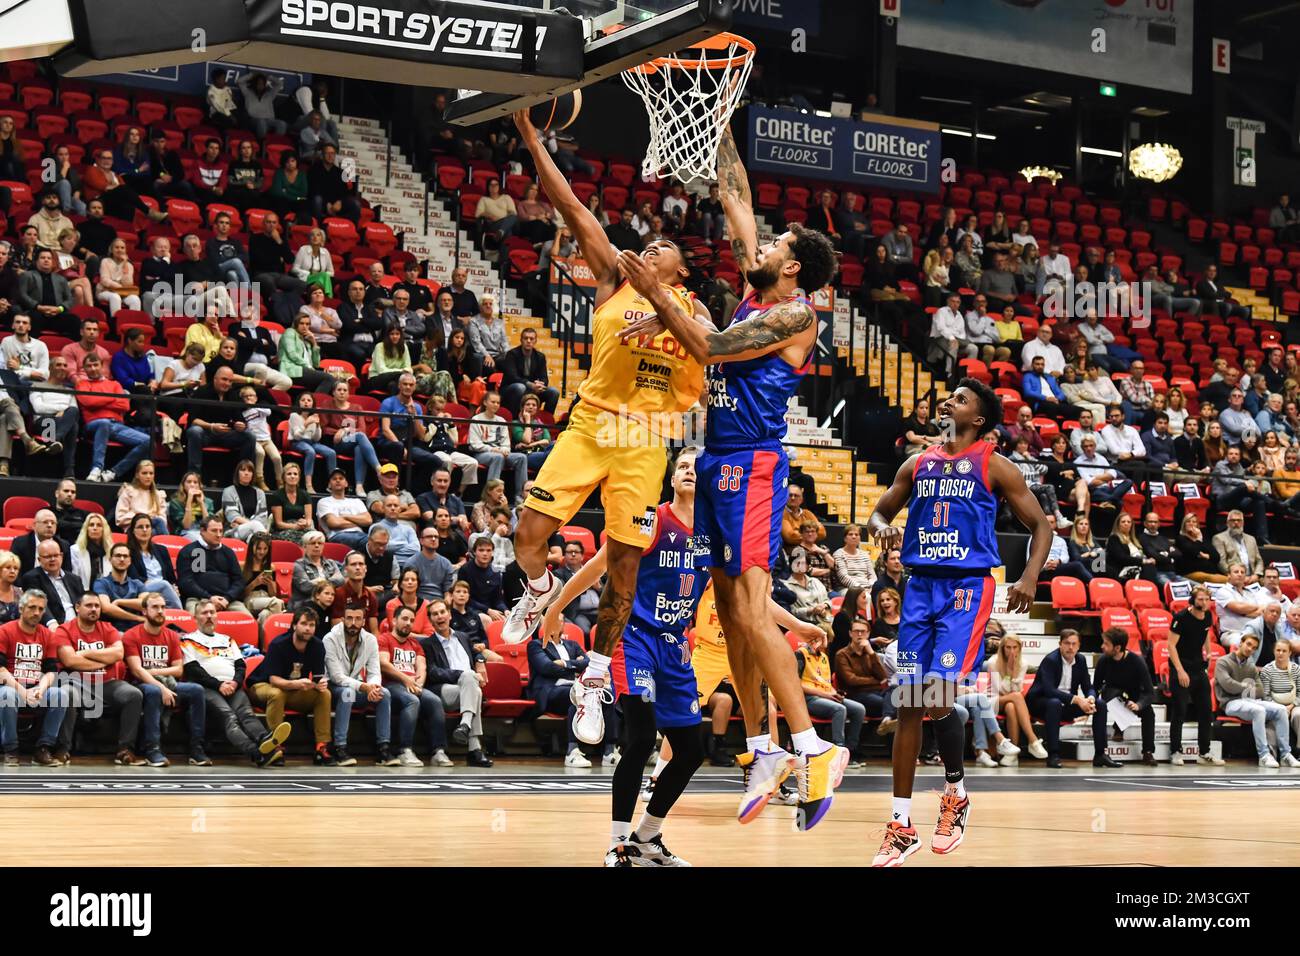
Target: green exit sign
[1108, 89]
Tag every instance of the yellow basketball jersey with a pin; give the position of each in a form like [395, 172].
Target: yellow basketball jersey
[649, 380]
[708, 629]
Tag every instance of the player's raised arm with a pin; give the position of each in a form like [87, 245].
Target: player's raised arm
[595, 245]
[1010, 484]
[766, 332]
[881, 523]
[737, 201]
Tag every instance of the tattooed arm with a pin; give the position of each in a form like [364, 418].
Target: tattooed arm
[737, 202]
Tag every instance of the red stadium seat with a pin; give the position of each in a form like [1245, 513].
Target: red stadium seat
[570, 532]
[503, 696]
[516, 656]
[1070, 597]
[276, 625]
[1119, 617]
[285, 551]
[1142, 594]
[336, 551]
[1154, 622]
[1105, 592]
[239, 626]
[26, 506]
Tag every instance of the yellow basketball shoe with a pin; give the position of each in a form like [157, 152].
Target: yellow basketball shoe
[818, 775]
[762, 772]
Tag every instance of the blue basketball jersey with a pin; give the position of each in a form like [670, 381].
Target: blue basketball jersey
[747, 400]
[952, 513]
[670, 578]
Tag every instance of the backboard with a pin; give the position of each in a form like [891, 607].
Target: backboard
[618, 34]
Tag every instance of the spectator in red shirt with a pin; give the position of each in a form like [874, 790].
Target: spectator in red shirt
[354, 590]
[104, 414]
[28, 668]
[402, 661]
[93, 650]
[154, 663]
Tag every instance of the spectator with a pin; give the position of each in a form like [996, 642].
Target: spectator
[982, 332]
[496, 211]
[712, 220]
[948, 333]
[90, 550]
[811, 604]
[529, 436]
[50, 221]
[1043, 394]
[536, 218]
[210, 175]
[117, 199]
[299, 358]
[1053, 271]
[121, 596]
[824, 701]
[1096, 393]
[44, 528]
[1280, 681]
[1125, 557]
[1241, 692]
[1053, 359]
[1236, 420]
[1189, 448]
[130, 367]
[332, 194]
[217, 420]
[341, 428]
[44, 297]
[1239, 602]
[92, 650]
[485, 584]
[269, 256]
[1265, 630]
[214, 661]
[288, 192]
[189, 507]
[313, 264]
[325, 322]
[1196, 557]
[1215, 298]
[405, 671]
[362, 324]
[441, 496]
[293, 674]
[435, 573]
[1062, 691]
[1159, 550]
[820, 562]
[675, 207]
[1215, 448]
[487, 332]
[524, 371]
[151, 563]
[390, 361]
[67, 184]
[1159, 444]
[861, 673]
[314, 139]
[967, 261]
[1284, 220]
[312, 99]
[898, 247]
[1124, 677]
[795, 516]
[623, 235]
[1234, 492]
[581, 612]
[141, 495]
[1082, 549]
[68, 517]
[344, 519]
[890, 573]
[222, 111]
[442, 444]
[458, 675]
[54, 577]
[260, 94]
[464, 302]
[1123, 443]
[28, 672]
[356, 587]
[852, 564]
[489, 442]
[312, 568]
[1104, 487]
[355, 680]
[55, 412]
[1060, 563]
[555, 666]
[402, 543]
[854, 606]
[244, 504]
[104, 407]
[158, 275]
[208, 570]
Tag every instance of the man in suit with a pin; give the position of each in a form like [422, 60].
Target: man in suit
[45, 527]
[458, 674]
[1062, 691]
[62, 588]
[554, 667]
[1044, 394]
[207, 570]
[1234, 546]
[46, 296]
[1215, 297]
[523, 371]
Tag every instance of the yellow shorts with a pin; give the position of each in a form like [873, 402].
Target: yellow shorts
[711, 669]
[622, 458]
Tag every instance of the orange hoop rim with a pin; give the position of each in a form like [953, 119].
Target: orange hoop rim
[719, 41]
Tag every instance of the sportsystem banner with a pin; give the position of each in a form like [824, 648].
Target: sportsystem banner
[1141, 42]
[896, 154]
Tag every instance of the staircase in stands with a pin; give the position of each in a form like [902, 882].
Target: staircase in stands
[387, 178]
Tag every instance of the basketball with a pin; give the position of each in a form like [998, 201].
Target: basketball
[558, 113]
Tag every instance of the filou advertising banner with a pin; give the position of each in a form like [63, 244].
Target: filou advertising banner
[884, 152]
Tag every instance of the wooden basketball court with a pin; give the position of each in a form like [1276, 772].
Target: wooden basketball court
[537, 816]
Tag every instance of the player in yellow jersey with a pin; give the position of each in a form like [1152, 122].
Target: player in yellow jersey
[634, 396]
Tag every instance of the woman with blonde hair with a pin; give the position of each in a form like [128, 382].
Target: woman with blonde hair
[1006, 690]
[1124, 555]
[313, 263]
[90, 551]
[493, 497]
[117, 288]
[141, 495]
[10, 566]
[73, 267]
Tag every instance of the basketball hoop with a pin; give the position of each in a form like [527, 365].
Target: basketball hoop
[689, 98]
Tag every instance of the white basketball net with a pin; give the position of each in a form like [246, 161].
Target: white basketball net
[689, 98]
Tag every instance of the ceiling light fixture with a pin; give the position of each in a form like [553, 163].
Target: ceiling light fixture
[1157, 162]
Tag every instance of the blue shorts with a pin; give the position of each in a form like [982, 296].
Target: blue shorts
[941, 633]
[657, 668]
[740, 498]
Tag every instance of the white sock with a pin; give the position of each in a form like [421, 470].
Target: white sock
[660, 763]
[807, 742]
[762, 742]
[903, 810]
[597, 665]
[958, 788]
[541, 584]
[648, 828]
[619, 833]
